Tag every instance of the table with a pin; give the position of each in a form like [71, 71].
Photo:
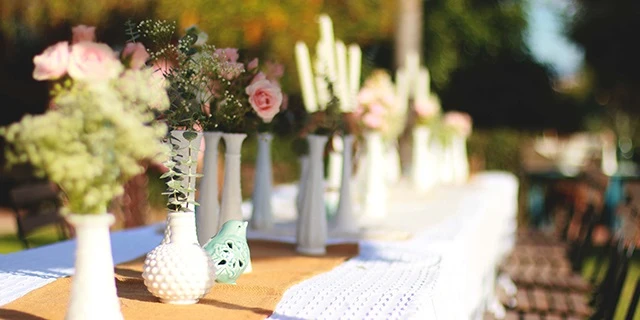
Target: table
[445, 271]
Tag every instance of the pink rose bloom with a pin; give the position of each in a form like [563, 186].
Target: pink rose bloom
[265, 99]
[252, 64]
[389, 99]
[274, 71]
[426, 109]
[136, 54]
[93, 62]
[359, 110]
[377, 109]
[52, 63]
[83, 33]
[160, 69]
[460, 121]
[228, 54]
[366, 95]
[372, 121]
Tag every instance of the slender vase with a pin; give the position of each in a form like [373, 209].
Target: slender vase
[186, 150]
[344, 220]
[179, 272]
[460, 162]
[262, 216]
[375, 190]
[392, 165]
[231, 202]
[208, 212]
[446, 163]
[304, 165]
[334, 174]
[420, 164]
[93, 286]
[312, 224]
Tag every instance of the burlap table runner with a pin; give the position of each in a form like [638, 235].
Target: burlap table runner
[276, 267]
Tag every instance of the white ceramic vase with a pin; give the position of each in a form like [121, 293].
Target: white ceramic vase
[345, 221]
[179, 272]
[446, 162]
[334, 175]
[208, 212]
[93, 286]
[392, 158]
[262, 216]
[460, 161]
[304, 165]
[231, 202]
[312, 224]
[375, 186]
[421, 174]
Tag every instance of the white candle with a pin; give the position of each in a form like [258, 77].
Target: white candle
[326, 36]
[305, 75]
[355, 69]
[412, 65]
[342, 84]
[320, 81]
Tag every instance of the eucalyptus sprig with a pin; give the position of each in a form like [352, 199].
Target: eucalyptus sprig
[179, 192]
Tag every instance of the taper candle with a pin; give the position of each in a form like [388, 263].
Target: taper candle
[326, 36]
[342, 84]
[355, 70]
[305, 75]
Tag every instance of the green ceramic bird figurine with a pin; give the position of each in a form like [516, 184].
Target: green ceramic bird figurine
[229, 251]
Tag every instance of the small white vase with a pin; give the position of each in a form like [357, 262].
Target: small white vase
[334, 175]
[460, 161]
[208, 212]
[304, 165]
[231, 202]
[312, 224]
[446, 160]
[375, 189]
[420, 159]
[179, 272]
[392, 159]
[93, 286]
[345, 221]
[262, 216]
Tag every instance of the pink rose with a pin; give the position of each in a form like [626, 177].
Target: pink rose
[372, 121]
[252, 64]
[83, 33]
[274, 71]
[93, 61]
[459, 121]
[426, 109]
[265, 99]
[377, 109]
[366, 95]
[228, 54]
[136, 54]
[52, 63]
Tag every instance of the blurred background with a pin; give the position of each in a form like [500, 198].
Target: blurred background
[535, 75]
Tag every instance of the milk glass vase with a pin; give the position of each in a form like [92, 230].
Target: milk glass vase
[93, 285]
[179, 271]
[460, 162]
[231, 202]
[375, 188]
[423, 163]
[207, 214]
[345, 221]
[262, 216]
[311, 236]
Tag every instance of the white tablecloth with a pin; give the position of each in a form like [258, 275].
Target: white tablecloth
[445, 271]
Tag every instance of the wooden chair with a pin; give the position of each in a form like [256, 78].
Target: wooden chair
[36, 205]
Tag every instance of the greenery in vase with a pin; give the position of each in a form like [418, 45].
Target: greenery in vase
[428, 112]
[179, 183]
[100, 126]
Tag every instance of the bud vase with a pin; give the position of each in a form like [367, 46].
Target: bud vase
[186, 150]
[93, 286]
[304, 165]
[422, 164]
[375, 189]
[179, 272]
[312, 224]
[334, 174]
[262, 218]
[231, 202]
[207, 213]
[446, 159]
[392, 165]
[460, 162]
[345, 220]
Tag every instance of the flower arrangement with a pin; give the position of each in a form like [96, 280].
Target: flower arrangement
[427, 111]
[376, 109]
[100, 126]
[457, 123]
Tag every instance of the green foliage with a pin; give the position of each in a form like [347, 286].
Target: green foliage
[499, 148]
[179, 192]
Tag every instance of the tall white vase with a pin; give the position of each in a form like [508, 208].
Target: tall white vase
[392, 165]
[312, 225]
[334, 175]
[446, 159]
[180, 271]
[460, 160]
[262, 216]
[375, 187]
[420, 163]
[93, 286]
[231, 202]
[304, 166]
[208, 212]
[345, 220]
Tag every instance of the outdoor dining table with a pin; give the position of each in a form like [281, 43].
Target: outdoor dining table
[434, 256]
